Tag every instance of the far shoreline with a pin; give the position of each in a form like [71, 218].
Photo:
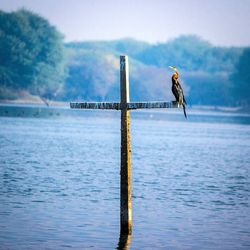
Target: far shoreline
[64, 104]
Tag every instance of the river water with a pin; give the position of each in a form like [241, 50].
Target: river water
[59, 179]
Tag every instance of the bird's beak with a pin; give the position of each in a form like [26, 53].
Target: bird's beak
[173, 68]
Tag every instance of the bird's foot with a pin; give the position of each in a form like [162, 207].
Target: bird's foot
[176, 103]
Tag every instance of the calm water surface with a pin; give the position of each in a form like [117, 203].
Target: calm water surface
[59, 180]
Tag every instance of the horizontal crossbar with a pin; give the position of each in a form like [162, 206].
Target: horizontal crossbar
[95, 105]
[117, 105]
[152, 105]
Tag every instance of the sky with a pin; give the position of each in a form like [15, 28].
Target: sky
[222, 22]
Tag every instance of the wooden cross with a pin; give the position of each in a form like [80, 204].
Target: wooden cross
[125, 106]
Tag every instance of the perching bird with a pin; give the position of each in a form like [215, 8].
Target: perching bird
[177, 90]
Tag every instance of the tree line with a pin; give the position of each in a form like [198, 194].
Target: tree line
[31, 55]
[34, 58]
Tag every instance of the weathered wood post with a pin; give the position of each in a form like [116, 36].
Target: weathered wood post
[124, 105]
[125, 199]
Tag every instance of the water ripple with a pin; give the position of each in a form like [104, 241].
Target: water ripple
[60, 183]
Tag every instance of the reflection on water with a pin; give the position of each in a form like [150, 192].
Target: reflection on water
[124, 242]
[59, 180]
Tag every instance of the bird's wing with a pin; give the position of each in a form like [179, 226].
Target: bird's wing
[175, 92]
[181, 90]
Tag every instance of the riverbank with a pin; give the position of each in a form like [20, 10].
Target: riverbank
[35, 100]
[28, 99]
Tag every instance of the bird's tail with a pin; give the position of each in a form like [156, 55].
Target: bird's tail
[184, 110]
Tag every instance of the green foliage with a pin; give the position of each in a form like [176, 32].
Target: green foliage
[32, 59]
[241, 79]
[91, 76]
[127, 46]
[186, 51]
[191, 53]
[204, 70]
[31, 53]
[208, 89]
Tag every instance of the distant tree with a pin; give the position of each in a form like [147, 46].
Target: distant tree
[186, 52]
[126, 46]
[241, 79]
[208, 89]
[93, 69]
[190, 53]
[31, 54]
[91, 76]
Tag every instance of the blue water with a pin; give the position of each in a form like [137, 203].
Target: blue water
[59, 180]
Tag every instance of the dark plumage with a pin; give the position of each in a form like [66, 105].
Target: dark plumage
[177, 91]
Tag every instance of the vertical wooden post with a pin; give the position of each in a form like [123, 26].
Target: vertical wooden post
[125, 189]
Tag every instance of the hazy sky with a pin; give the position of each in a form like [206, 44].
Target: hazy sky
[222, 22]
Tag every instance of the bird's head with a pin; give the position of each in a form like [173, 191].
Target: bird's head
[176, 74]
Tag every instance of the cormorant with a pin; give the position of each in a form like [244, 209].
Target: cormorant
[177, 90]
